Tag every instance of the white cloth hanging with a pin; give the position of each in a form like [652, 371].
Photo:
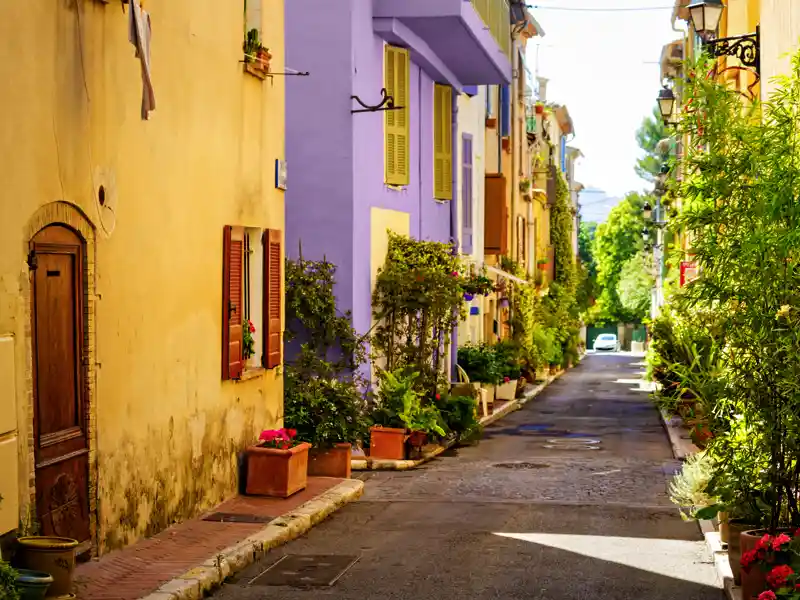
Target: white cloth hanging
[139, 33]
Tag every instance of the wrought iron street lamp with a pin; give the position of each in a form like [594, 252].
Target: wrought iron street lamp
[705, 16]
[666, 105]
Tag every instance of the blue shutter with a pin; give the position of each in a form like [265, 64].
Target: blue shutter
[466, 193]
[563, 155]
[505, 111]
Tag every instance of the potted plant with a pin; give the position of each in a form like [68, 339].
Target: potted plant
[329, 414]
[507, 356]
[8, 582]
[32, 585]
[389, 434]
[542, 264]
[278, 465]
[48, 554]
[479, 362]
[255, 53]
[420, 421]
[477, 284]
[248, 341]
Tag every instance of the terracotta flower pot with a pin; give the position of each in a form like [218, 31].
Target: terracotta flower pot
[275, 472]
[724, 527]
[330, 462]
[53, 555]
[753, 581]
[491, 122]
[33, 585]
[735, 528]
[417, 439]
[387, 442]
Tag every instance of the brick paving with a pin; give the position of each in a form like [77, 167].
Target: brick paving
[140, 569]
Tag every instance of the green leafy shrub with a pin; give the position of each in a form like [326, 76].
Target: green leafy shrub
[479, 362]
[507, 359]
[689, 487]
[8, 582]
[458, 414]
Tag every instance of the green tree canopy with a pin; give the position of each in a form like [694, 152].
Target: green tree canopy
[648, 136]
[617, 241]
[589, 289]
[635, 286]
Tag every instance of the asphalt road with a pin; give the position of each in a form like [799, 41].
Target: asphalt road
[562, 500]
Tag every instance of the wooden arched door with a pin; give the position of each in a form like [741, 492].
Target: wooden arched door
[60, 397]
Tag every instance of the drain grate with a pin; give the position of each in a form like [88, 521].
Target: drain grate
[521, 465]
[314, 570]
[223, 517]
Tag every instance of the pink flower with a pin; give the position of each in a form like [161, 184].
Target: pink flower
[454, 273]
[506, 379]
[251, 326]
[291, 433]
[268, 435]
[780, 541]
[768, 595]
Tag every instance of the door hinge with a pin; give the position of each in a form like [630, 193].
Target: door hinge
[33, 261]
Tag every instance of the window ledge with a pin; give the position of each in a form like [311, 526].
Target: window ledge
[396, 188]
[252, 373]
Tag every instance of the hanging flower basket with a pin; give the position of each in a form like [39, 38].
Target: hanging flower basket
[468, 297]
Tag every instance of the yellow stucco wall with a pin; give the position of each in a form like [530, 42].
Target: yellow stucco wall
[166, 427]
[780, 38]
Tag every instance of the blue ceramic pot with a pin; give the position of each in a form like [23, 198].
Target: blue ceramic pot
[33, 585]
[468, 297]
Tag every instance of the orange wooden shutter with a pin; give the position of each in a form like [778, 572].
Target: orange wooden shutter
[495, 215]
[232, 330]
[273, 296]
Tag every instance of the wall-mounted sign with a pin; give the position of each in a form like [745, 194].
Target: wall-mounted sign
[688, 272]
[280, 174]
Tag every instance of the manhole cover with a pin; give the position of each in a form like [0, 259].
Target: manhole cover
[521, 465]
[223, 517]
[295, 570]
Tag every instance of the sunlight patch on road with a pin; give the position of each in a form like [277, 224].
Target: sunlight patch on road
[671, 558]
[641, 384]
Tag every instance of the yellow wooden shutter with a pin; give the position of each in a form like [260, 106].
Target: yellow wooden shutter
[442, 142]
[396, 77]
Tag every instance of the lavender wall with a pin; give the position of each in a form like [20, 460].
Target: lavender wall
[336, 160]
[429, 219]
[319, 138]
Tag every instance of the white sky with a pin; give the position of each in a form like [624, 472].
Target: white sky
[604, 67]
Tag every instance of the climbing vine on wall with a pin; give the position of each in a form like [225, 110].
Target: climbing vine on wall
[416, 303]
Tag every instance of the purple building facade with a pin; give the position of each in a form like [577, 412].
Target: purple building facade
[336, 158]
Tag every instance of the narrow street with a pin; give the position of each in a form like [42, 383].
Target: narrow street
[564, 499]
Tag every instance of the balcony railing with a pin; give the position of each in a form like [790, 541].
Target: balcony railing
[497, 16]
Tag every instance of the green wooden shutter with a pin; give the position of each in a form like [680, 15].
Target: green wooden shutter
[396, 81]
[443, 142]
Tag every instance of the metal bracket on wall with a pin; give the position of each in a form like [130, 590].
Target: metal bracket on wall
[387, 103]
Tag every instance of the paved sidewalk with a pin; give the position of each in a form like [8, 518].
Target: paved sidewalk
[200, 554]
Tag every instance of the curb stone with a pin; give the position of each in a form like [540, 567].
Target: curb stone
[199, 581]
[365, 464]
[682, 447]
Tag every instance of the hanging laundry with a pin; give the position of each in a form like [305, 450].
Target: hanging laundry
[139, 33]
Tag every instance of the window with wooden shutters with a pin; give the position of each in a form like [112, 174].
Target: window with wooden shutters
[273, 296]
[466, 193]
[443, 142]
[396, 82]
[232, 314]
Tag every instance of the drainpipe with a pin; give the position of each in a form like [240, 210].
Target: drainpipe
[513, 92]
[454, 237]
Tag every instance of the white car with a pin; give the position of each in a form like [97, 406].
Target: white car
[607, 341]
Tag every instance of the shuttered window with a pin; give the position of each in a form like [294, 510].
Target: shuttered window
[232, 313]
[273, 294]
[396, 76]
[466, 193]
[443, 142]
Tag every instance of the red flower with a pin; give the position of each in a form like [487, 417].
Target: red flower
[764, 543]
[768, 595]
[454, 273]
[291, 433]
[438, 397]
[777, 577]
[747, 560]
[780, 541]
[506, 379]
[251, 326]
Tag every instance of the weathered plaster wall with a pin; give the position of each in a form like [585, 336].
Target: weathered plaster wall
[164, 426]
